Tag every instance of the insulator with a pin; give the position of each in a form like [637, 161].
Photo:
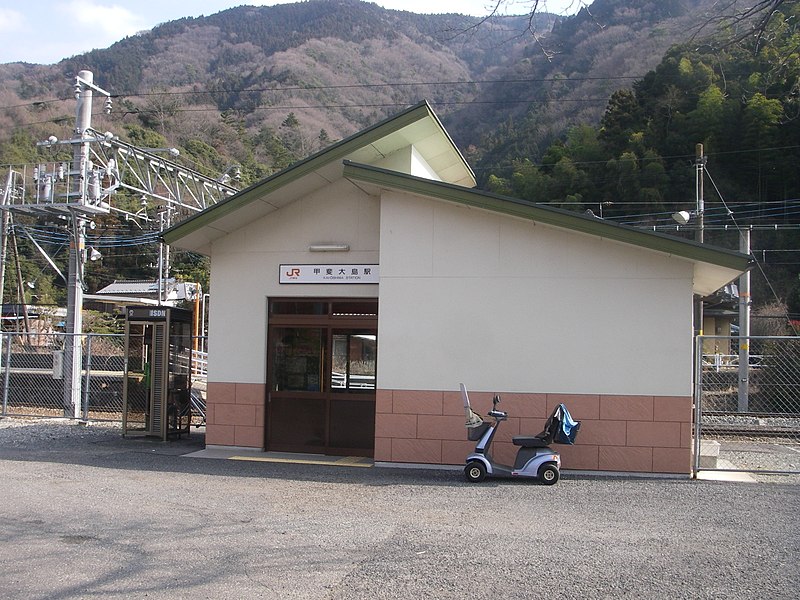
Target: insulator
[94, 186]
[47, 188]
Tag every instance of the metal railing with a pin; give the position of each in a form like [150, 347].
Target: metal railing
[32, 379]
[747, 405]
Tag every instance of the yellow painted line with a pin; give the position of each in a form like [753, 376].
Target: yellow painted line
[348, 461]
[354, 461]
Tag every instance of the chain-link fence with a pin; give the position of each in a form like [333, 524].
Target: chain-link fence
[36, 380]
[747, 410]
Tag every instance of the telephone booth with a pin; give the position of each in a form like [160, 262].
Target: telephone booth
[156, 392]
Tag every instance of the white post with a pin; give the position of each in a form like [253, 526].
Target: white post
[744, 327]
[204, 347]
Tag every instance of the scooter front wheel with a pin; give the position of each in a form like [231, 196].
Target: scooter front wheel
[548, 474]
[475, 471]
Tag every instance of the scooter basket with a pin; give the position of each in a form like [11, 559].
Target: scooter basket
[475, 433]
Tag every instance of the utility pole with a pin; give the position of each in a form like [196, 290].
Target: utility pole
[75, 193]
[81, 171]
[744, 327]
[700, 165]
[5, 222]
[164, 220]
[161, 260]
[26, 323]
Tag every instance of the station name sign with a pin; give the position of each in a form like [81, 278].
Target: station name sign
[329, 274]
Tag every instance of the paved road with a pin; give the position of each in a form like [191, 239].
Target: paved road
[87, 514]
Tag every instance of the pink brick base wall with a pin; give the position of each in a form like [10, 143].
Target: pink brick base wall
[235, 414]
[649, 434]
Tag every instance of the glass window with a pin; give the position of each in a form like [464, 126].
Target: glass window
[297, 359]
[138, 373]
[357, 308]
[299, 307]
[354, 360]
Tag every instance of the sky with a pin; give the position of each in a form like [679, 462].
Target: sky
[46, 31]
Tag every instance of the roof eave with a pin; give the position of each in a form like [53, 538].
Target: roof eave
[306, 166]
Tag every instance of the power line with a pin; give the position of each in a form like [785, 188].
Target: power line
[332, 87]
[338, 107]
[381, 85]
[62, 238]
[755, 260]
[396, 84]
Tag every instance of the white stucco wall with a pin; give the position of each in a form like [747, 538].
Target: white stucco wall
[245, 269]
[501, 303]
[465, 295]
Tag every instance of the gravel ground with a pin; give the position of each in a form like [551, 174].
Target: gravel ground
[751, 452]
[760, 456]
[27, 432]
[87, 513]
[748, 420]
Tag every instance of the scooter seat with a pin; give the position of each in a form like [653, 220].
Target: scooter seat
[529, 441]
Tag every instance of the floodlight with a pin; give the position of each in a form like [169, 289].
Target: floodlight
[682, 217]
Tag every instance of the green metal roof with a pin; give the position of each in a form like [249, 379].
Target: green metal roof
[549, 215]
[418, 126]
[415, 126]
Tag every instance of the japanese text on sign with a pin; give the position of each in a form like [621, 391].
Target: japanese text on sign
[329, 273]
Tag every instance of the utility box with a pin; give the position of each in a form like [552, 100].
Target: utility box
[156, 392]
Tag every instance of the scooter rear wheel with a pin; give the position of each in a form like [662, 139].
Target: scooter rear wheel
[548, 474]
[475, 471]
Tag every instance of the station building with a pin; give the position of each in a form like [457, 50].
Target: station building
[354, 290]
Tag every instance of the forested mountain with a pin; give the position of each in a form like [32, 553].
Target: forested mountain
[598, 111]
[568, 78]
[741, 102]
[333, 66]
[337, 66]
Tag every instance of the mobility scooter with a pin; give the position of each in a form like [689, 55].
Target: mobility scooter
[534, 458]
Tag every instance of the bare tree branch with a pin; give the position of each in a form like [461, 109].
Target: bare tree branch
[535, 8]
[745, 23]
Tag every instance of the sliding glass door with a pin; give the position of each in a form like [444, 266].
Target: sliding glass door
[321, 376]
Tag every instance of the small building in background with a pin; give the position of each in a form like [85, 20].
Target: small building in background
[126, 292]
